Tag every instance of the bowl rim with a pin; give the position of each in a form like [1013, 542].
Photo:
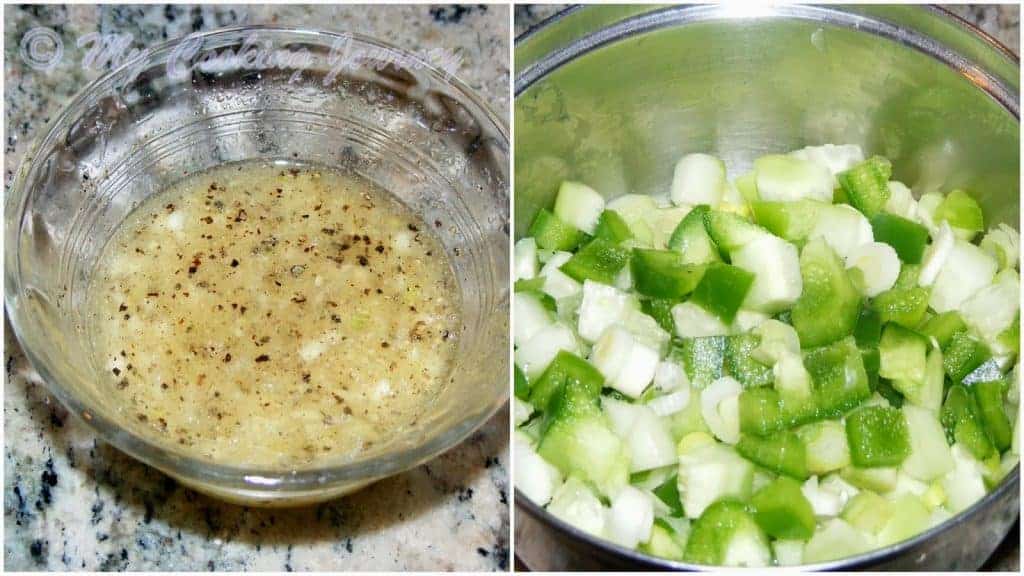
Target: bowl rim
[650, 20]
[263, 484]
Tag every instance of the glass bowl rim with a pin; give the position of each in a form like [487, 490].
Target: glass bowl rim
[250, 480]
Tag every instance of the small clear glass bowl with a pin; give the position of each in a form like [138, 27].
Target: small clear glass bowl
[342, 101]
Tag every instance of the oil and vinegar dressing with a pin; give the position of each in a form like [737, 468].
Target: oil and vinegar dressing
[274, 317]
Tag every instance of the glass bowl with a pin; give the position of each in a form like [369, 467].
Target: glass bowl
[342, 101]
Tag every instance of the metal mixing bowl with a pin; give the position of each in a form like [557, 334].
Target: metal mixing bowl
[614, 95]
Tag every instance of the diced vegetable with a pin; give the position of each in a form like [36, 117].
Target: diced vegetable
[994, 308]
[964, 485]
[826, 446]
[908, 238]
[525, 259]
[599, 260]
[909, 517]
[722, 290]
[867, 185]
[533, 475]
[901, 201]
[693, 321]
[776, 340]
[631, 517]
[902, 354]
[612, 227]
[741, 364]
[963, 355]
[698, 179]
[552, 233]
[775, 265]
[903, 306]
[837, 158]
[575, 503]
[963, 214]
[709, 472]
[961, 419]
[691, 239]
[788, 552]
[788, 178]
[929, 457]
[627, 365]
[989, 398]
[719, 405]
[601, 307]
[726, 535]
[663, 542]
[936, 255]
[943, 326]
[782, 452]
[670, 376]
[874, 268]
[928, 392]
[668, 493]
[791, 221]
[633, 208]
[829, 306]
[843, 228]
[645, 435]
[565, 367]
[877, 437]
[966, 270]
[531, 316]
[1003, 244]
[782, 511]
[558, 284]
[729, 231]
[576, 439]
[662, 274]
[534, 356]
[868, 512]
[522, 386]
[579, 206]
[835, 539]
[701, 357]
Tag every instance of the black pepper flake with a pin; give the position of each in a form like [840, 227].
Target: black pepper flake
[336, 319]
[207, 219]
[379, 249]
[241, 216]
[437, 223]
[122, 384]
[262, 358]
[116, 371]
[227, 357]
[192, 269]
[385, 345]
[234, 263]
[363, 261]
[328, 231]
[122, 308]
[414, 228]
[306, 376]
[298, 299]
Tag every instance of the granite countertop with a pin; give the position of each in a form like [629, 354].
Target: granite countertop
[72, 502]
[999, 21]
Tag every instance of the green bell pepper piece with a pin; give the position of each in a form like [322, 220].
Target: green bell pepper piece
[961, 419]
[829, 306]
[782, 510]
[890, 390]
[782, 452]
[668, 493]
[989, 398]
[662, 274]
[661, 310]
[904, 306]
[791, 221]
[877, 436]
[963, 355]
[599, 260]
[943, 326]
[703, 358]
[714, 531]
[740, 362]
[902, 354]
[564, 368]
[867, 185]
[722, 289]
[522, 386]
[907, 238]
[552, 233]
[612, 227]
[961, 211]
[691, 239]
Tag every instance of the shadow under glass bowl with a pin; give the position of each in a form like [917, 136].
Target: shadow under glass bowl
[613, 96]
[337, 100]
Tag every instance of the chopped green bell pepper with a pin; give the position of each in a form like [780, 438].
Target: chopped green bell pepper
[599, 260]
[907, 238]
[782, 510]
[989, 397]
[662, 274]
[782, 452]
[718, 526]
[661, 310]
[722, 289]
[791, 221]
[904, 306]
[963, 355]
[961, 211]
[740, 363]
[829, 306]
[691, 239]
[611, 227]
[564, 368]
[877, 436]
[522, 386]
[702, 358]
[961, 419]
[902, 354]
[668, 493]
[943, 326]
[867, 185]
[551, 233]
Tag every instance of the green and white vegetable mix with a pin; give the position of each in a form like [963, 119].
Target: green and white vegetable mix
[798, 365]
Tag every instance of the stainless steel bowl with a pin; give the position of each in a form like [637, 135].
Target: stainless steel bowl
[614, 95]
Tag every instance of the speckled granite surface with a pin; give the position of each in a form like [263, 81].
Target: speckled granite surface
[999, 21]
[74, 503]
